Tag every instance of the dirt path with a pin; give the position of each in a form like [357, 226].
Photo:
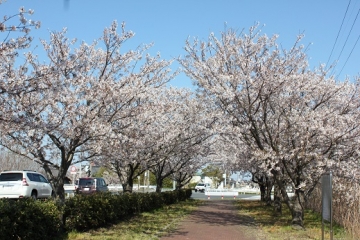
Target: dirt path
[215, 220]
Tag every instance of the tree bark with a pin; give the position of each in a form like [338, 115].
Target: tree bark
[262, 192]
[57, 182]
[298, 208]
[159, 183]
[269, 183]
[277, 200]
[295, 206]
[265, 185]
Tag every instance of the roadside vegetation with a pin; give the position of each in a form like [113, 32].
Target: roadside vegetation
[256, 107]
[345, 212]
[155, 224]
[147, 225]
[278, 227]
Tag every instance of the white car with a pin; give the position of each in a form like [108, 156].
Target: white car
[201, 187]
[20, 184]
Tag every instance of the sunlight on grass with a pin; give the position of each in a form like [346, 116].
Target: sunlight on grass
[149, 225]
[153, 225]
[279, 227]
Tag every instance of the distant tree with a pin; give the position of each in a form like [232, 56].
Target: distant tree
[11, 161]
[179, 136]
[214, 173]
[99, 172]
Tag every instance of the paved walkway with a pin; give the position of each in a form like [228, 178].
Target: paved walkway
[216, 220]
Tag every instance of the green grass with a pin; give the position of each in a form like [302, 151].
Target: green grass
[280, 228]
[150, 225]
[153, 225]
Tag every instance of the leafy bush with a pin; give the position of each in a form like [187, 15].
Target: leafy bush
[86, 211]
[97, 210]
[29, 219]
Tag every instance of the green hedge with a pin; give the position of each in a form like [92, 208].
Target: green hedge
[87, 212]
[29, 219]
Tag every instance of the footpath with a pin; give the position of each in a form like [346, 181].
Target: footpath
[216, 220]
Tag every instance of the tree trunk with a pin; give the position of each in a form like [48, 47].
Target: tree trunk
[57, 182]
[179, 185]
[59, 191]
[277, 200]
[181, 180]
[296, 206]
[297, 211]
[265, 185]
[269, 185]
[130, 183]
[159, 183]
[262, 192]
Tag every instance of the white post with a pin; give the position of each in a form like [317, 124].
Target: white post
[148, 179]
[145, 174]
[138, 182]
[224, 176]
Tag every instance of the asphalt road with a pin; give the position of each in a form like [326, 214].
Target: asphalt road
[202, 196]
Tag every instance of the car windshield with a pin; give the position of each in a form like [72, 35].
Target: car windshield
[86, 182]
[11, 177]
[200, 184]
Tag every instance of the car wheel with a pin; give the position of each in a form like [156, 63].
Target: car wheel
[195, 190]
[53, 194]
[33, 195]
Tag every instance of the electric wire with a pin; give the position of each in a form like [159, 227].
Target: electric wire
[347, 38]
[332, 50]
[349, 56]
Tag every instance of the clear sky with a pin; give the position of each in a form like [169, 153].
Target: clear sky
[168, 24]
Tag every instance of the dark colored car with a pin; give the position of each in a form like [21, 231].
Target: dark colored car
[91, 185]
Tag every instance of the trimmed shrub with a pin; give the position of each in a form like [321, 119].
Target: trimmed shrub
[97, 210]
[84, 212]
[29, 219]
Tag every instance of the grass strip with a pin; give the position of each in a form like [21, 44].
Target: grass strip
[147, 225]
[278, 227]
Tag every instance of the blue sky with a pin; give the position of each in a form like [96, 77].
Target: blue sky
[168, 24]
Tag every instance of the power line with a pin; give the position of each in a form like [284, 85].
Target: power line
[338, 33]
[347, 38]
[349, 55]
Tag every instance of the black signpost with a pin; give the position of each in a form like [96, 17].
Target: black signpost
[326, 203]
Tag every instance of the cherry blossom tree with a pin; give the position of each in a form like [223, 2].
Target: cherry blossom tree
[76, 98]
[14, 37]
[177, 136]
[233, 153]
[160, 138]
[134, 149]
[125, 150]
[283, 112]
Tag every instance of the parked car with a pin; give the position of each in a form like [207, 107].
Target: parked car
[201, 187]
[91, 185]
[25, 183]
